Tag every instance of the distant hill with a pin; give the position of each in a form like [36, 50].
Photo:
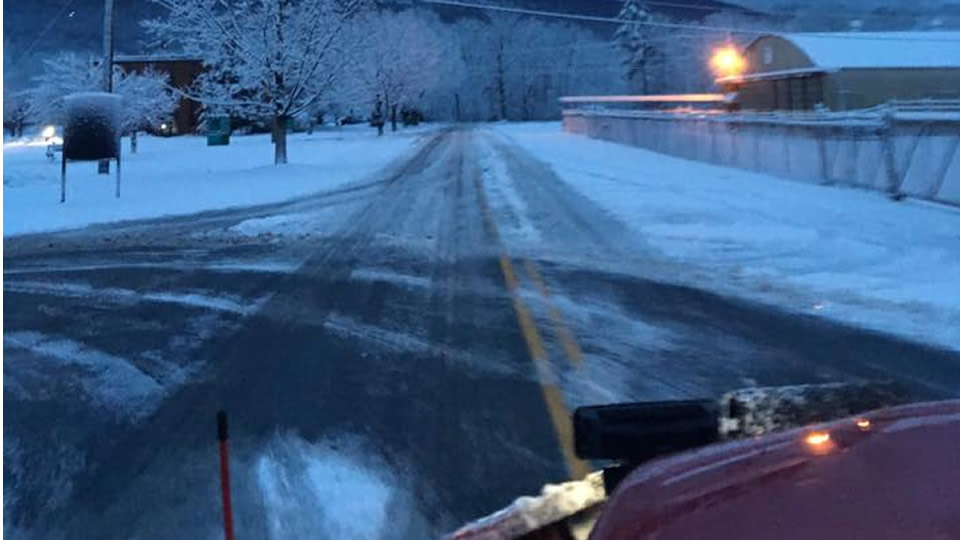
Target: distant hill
[78, 26]
[39, 27]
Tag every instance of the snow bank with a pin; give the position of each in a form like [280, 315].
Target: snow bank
[847, 254]
[182, 175]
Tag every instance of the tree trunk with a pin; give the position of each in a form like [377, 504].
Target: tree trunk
[279, 139]
[393, 117]
[133, 142]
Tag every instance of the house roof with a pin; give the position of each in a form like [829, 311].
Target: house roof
[779, 74]
[879, 49]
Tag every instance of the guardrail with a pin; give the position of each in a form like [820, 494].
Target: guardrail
[904, 148]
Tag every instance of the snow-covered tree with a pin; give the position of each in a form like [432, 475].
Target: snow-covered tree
[504, 31]
[18, 111]
[589, 68]
[63, 73]
[491, 50]
[517, 67]
[639, 41]
[472, 99]
[440, 98]
[274, 58]
[147, 98]
[400, 60]
[554, 60]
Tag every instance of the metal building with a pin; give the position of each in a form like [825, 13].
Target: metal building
[844, 71]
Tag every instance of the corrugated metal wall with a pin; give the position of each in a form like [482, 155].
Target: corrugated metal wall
[916, 156]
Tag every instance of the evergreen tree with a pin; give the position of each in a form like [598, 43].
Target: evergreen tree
[635, 38]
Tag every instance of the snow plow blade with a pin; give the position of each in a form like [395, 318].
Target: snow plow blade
[754, 411]
[633, 433]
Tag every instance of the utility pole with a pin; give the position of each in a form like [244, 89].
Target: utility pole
[103, 167]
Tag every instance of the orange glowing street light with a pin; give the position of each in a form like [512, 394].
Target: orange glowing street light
[728, 62]
[818, 438]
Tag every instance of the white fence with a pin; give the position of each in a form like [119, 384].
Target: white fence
[908, 149]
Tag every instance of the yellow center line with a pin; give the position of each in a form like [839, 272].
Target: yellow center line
[567, 341]
[552, 397]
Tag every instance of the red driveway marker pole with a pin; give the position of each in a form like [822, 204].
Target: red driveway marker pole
[225, 475]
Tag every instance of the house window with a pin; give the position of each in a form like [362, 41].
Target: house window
[768, 55]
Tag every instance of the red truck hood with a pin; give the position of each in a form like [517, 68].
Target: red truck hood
[896, 476]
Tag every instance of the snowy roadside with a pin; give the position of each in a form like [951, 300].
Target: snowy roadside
[845, 254]
[181, 175]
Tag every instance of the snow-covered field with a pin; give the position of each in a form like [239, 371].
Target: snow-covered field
[846, 254]
[181, 175]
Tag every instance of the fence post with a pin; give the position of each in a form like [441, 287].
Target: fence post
[786, 150]
[757, 131]
[822, 151]
[734, 131]
[941, 175]
[852, 160]
[713, 140]
[889, 156]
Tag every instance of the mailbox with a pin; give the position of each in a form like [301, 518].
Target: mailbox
[91, 131]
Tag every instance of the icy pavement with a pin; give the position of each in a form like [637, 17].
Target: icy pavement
[844, 254]
[181, 175]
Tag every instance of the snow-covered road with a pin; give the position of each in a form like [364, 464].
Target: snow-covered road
[387, 350]
[843, 254]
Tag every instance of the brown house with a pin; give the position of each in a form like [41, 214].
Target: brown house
[183, 71]
[846, 71]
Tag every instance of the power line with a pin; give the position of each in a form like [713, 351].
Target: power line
[573, 16]
[668, 25]
[838, 14]
[43, 33]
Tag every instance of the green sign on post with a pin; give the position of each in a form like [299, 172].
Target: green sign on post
[218, 131]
